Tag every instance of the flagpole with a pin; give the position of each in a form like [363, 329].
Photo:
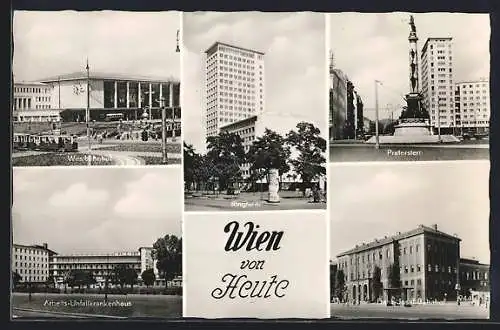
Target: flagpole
[87, 113]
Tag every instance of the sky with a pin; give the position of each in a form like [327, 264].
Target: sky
[369, 46]
[377, 200]
[47, 44]
[295, 68]
[95, 210]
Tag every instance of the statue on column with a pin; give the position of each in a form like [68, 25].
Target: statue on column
[412, 24]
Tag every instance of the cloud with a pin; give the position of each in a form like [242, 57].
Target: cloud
[295, 66]
[136, 43]
[370, 46]
[77, 210]
[384, 186]
[152, 196]
[78, 196]
[377, 200]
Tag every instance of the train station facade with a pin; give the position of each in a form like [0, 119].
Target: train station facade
[135, 98]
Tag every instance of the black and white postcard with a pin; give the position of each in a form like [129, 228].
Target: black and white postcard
[409, 87]
[410, 241]
[96, 88]
[96, 244]
[255, 111]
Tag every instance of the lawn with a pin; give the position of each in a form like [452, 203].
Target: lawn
[60, 159]
[143, 147]
[369, 153]
[159, 160]
[160, 306]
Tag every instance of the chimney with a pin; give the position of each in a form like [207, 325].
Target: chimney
[45, 245]
[435, 227]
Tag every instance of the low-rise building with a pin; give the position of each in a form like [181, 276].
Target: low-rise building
[419, 265]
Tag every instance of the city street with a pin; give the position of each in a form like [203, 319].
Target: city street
[248, 202]
[448, 311]
[110, 152]
[87, 305]
[362, 152]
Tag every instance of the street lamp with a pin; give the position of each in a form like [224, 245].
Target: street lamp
[163, 130]
[377, 143]
[177, 48]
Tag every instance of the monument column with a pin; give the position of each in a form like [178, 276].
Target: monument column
[139, 100]
[414, 83]
[116, 95]
[128, 94]
[273, 186]
[150, 100]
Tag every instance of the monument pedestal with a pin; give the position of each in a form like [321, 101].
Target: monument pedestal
[273, 196]
[415, 127]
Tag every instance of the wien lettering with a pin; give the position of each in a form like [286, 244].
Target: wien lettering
[238, 286]
[252, 239]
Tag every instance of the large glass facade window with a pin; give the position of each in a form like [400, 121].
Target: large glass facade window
[155, 88]
[144, 95]
[109, 94]
[133, 93]
[122, 94]
[165, 92]
[176, 100]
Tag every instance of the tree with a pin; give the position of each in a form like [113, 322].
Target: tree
[50, 281]
[123, 275]
[311, 146]
[16, 278]
[394, 277]
[226, 153]
[130, 277]
[189, 159]
[167, 251]
[267, 152]
[88, 278]
[148, 277]
[77, 277]
[340, 286]
[376, 283]
[333, 277]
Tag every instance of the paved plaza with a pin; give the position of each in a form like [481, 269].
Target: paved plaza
[353, 152]
[447, 311]
[109, 152]
[249, 202]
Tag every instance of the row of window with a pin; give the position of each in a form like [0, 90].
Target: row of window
[33, 278]
[31, 90]
[484, 91]
[22, 271]
[28, 264]
[30, 258]
[223, 49]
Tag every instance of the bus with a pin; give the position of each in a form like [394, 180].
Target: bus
[114, 116]
[20, 141]
[53, 142]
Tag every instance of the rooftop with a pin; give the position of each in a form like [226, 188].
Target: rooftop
[421, 229]
[28, 83]
[101, 254]
[431, 39]
[34, 246]
[106, 76]
[232, 46]
[472, 261]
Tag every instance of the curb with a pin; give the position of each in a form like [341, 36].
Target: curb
[68, 314]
